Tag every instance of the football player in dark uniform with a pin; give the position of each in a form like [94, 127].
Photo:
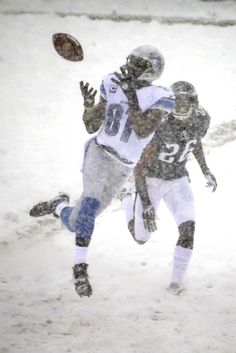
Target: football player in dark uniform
[161, 174]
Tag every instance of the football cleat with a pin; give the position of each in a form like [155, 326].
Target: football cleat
[48, 207]
[81, 282]
[175, 288]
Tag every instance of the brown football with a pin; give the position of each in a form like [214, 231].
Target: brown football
[67, 47]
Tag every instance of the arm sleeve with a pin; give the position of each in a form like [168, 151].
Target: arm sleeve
[103, 93]
[200, 157]
[140, 172]
[165, 104]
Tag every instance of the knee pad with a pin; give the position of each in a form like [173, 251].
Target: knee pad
[86, 217]
[186, 234]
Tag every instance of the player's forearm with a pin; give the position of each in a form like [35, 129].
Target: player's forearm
[204, 168]
[141, 186]
[141, 171]
[200, 157]
[92, 121]
[138, 122]
[93, 117]
[144, 123]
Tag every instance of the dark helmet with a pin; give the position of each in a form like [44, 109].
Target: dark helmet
[193, 117]
[186, 99]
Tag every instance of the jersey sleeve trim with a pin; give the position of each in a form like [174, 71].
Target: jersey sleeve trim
[165, 103]
[103, 91]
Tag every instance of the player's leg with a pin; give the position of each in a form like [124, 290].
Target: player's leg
[131, 205]
[138, 231]
[102, 176]
[141, 234]
[133, 209]
[126, 195]
[58, 203]
[180, 201]
[84, 215]
[59, 207]
[81, 218]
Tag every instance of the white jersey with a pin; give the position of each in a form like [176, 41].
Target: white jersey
[117, 132]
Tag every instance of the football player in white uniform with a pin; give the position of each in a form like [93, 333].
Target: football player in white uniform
[126, 117]
[161, 174]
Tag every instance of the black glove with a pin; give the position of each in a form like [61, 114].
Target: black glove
[128, 84]
[211, 181]
[88, 94]
[149, 219]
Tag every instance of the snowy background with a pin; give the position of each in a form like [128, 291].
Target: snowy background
[41, 142]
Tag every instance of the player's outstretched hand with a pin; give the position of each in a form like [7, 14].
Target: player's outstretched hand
[125, 80]
[128, 84]
[149, 219]
[211, 181]
[88, 94]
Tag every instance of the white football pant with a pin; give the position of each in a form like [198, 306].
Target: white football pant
[103, 175]
[178, 197]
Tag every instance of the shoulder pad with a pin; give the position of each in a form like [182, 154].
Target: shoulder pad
[201, 111]
[200, 122]
[165, 103]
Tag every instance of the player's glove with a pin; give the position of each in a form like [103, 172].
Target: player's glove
[88, 94]
[211, 181]
[149, 219]
[128, 84]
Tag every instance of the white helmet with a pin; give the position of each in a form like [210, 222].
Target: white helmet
[153, 57]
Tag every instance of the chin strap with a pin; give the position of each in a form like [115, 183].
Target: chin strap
[180, 116]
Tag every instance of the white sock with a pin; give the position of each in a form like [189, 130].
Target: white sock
[80, 254]
[182, 257]
[128, 204]
[60, 207]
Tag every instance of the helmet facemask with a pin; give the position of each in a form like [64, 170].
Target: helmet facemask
[184, 106]
[186, 99]
[145, 63]
[137, 66]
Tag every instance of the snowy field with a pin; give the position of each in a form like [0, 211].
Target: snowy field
[41, 143]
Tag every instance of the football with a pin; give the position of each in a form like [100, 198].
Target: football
[67, 47]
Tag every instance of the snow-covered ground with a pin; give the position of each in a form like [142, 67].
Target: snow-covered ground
[41, 143]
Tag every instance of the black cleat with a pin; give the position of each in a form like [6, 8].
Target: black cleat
[48, 207]
[81, 282]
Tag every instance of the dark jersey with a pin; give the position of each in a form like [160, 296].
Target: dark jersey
[174, 142]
